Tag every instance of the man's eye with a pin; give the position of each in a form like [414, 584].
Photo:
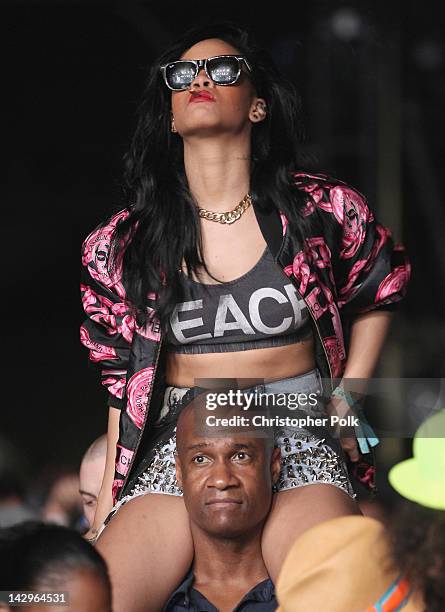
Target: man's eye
[199, 459]
[89, 503]
[241, 456]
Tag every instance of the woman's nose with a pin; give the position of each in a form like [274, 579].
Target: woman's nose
[201, 80]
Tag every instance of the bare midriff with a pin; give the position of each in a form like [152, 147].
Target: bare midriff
[254, 366]
[230, 251]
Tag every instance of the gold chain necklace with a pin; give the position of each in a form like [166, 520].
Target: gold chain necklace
[227, 217]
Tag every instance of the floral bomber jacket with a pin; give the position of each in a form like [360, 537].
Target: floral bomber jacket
[349, 266]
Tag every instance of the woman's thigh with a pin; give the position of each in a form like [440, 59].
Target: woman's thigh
[148, 549]
[296, 510]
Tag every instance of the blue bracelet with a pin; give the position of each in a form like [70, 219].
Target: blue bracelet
[366, 436]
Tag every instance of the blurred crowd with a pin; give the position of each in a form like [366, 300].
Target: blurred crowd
[60, 496]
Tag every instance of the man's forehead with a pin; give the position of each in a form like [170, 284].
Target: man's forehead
[193, 430]
[236, 442]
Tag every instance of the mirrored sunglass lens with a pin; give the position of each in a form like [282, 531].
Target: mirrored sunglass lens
[180, 75]
[223, 70]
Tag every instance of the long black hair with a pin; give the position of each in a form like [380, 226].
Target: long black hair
[167, 228]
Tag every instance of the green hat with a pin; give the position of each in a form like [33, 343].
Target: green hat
[422, 478]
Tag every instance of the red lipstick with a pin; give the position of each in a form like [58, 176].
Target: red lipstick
[201, 96]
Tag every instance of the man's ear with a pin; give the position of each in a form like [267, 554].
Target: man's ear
[178, 471]
[275, 464]
[258, 110]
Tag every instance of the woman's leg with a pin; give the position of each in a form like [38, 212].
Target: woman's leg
[148, 549]
[296, 510]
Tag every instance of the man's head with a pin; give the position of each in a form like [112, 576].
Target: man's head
[226, 473]
[39, 557]
[91, 474]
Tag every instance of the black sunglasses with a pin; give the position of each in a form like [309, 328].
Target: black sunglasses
[221, 69]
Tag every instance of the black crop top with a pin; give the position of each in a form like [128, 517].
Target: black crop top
[260, 309]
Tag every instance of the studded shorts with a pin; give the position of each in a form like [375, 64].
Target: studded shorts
[306, 456]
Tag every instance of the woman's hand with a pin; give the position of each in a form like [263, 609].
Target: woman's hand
[350, 447]
[368, 333]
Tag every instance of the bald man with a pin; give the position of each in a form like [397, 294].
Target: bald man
[91, 474]
[226, 475]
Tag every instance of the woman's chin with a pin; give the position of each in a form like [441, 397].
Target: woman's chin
[210, 126]
[204, 128]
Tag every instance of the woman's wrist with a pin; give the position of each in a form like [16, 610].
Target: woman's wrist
[343, 395]
[351, 401]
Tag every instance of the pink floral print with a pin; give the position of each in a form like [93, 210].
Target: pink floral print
[348, 265]
[98, 352]
[138, 389]
[395, 280]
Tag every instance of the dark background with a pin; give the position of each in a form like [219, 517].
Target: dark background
[371, 75]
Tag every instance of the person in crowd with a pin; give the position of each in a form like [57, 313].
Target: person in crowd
[231, 260]
[355, 564]
[62, 505]
[226, 475]
[418, 528]
[91, 475]
[52, 559]
[14, 506]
